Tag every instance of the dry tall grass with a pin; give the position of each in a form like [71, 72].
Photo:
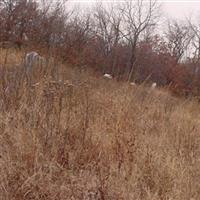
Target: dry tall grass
[90, 138]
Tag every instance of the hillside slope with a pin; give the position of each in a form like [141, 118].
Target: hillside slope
[89, 138]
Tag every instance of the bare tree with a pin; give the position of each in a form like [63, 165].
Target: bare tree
[179, 38]
[195, 28]
[195, 56]
[137, 16]
[7, 13]
[16, 16]
[107, 23]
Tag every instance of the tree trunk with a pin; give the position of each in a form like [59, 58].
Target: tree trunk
[131, 67]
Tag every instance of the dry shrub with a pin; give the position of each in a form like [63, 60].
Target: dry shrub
[90, 138]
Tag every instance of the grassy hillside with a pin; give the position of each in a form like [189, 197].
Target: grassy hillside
[88, 138]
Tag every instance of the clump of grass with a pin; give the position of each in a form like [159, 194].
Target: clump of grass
[89, 138]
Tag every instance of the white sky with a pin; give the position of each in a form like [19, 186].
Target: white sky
[180, 9]
[172, 8]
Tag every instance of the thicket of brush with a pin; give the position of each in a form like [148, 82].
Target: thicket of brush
[130, 40]
[88, 138]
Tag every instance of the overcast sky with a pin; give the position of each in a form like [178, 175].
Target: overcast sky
[180, 9]
[172, 8]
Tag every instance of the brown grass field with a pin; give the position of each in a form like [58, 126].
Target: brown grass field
[86, 138]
